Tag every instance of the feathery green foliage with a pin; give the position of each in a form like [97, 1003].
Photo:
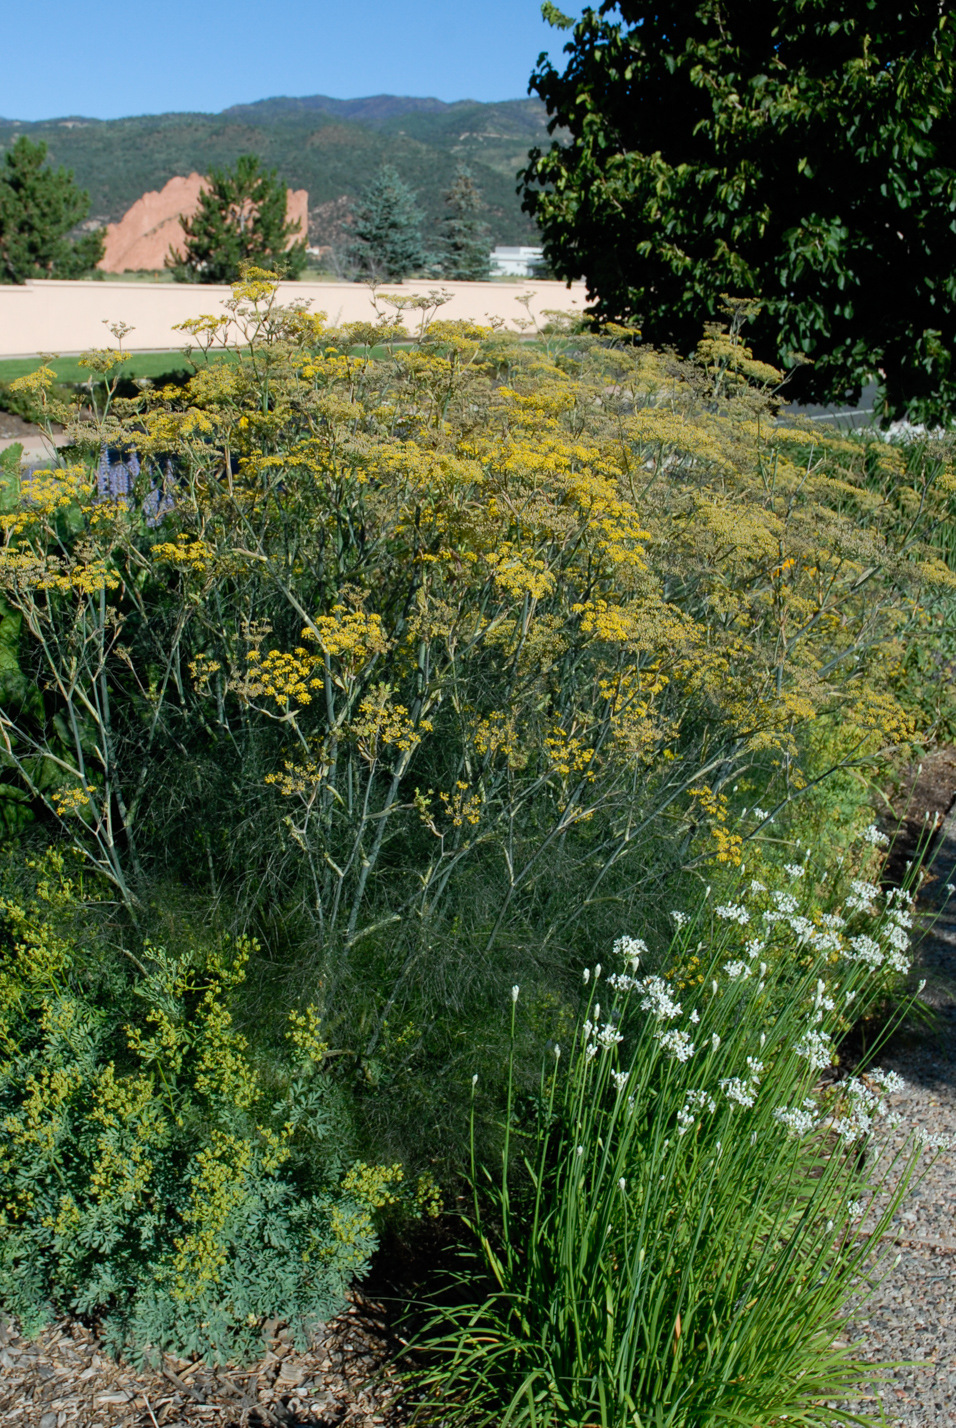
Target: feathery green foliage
[411, 677]
[472, 652]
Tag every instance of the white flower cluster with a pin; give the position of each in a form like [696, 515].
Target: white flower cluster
[736, 970]
[826, 942]
[680, 919]
[935, 1141]
[814, 1047]
[677, 1044]
[856, 1209]
[862, 896]
[896, 930]
[865, 1106]
[874, 837]
[756, 886]
[685, 1121]
[891, 1081]
[620, 1079]
[657, 999]
[743, 1092]
[621, 982]
[785, 902]
[854, 1125]
[797, 1122]
[733, 912]
[754, 947]
[605, 1036]
[865, 949]
[760, 814]
[795, 870]
[695, 1101]
[632, 949]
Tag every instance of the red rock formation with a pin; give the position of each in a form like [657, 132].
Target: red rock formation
[147, 231]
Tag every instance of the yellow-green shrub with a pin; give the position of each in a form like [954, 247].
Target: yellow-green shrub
[442, 665]
[153, 1171]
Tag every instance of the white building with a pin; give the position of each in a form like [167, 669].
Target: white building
[516, 262]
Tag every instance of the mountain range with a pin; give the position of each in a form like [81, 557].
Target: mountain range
[332, 147]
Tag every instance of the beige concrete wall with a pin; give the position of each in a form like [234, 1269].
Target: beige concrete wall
[68, 317]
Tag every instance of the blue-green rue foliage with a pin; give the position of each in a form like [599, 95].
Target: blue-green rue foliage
[151, 1171]
[680, 1223]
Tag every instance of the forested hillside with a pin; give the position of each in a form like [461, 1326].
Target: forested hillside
[331, 147]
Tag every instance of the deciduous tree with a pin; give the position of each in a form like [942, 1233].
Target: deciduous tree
[799, 150]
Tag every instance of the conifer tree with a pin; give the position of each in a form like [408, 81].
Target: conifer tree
[241, 219]
[38, 208]
[386, 228]
[466, 250]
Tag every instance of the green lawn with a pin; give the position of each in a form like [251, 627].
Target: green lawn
[67, 369]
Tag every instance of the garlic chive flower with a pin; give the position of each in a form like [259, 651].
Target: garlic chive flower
[737, 971]
[632, 949]
[677, 1044]
[797, 1122]
[735, 1089]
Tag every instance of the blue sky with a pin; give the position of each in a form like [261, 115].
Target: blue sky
[113, 59]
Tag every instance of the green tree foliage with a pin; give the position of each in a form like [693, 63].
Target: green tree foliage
[241, 219]
[39, 207]
[466, 249]
[330, 152]
[387, 225]
[800, 151]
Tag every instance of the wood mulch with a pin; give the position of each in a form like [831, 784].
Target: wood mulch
[63, 1378]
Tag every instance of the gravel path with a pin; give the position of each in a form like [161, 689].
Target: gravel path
[912, 1315]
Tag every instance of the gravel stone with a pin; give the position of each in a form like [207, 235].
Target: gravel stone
[911, 1318]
